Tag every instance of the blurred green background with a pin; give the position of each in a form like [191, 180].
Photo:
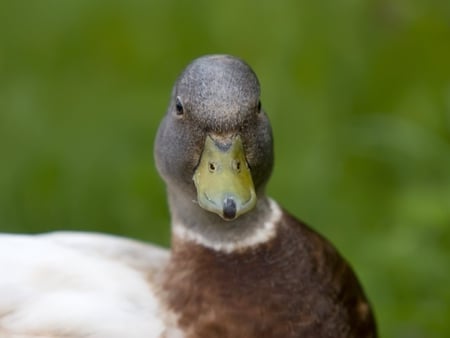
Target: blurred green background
[358, 93]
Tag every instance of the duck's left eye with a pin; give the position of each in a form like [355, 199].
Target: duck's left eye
[179, 106]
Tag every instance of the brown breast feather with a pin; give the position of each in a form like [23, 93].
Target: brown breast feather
[296, 285]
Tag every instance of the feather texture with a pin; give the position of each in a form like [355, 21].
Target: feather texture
[78, 285]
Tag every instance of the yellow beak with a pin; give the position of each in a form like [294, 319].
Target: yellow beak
[223, 179]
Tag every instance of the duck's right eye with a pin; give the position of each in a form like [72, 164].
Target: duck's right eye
[179, 106]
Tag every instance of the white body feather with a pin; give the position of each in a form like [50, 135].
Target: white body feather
[78, 285]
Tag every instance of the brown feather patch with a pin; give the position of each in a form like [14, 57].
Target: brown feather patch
[296, 285]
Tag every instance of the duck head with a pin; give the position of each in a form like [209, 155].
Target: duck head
[214, 146]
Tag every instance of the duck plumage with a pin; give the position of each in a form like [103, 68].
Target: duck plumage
[239, 265]
[78, 285]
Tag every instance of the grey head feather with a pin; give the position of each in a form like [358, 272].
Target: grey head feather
[217, 94]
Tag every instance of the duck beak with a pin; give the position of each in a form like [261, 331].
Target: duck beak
[223, 179]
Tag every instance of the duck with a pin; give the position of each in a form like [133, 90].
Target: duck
[239, 264]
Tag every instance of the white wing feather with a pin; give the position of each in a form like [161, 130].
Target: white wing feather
[78, 285]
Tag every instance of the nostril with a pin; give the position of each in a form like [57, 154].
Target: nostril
[229, 208]
[212, 167]
[237, 165]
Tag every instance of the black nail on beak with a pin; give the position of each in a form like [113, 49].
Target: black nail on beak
[229, 208]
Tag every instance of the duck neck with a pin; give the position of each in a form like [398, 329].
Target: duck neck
[192, 223]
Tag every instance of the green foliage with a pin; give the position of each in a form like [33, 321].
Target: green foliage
[358, 93]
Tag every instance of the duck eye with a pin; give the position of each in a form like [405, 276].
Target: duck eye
[259, 106]
[179, 106]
